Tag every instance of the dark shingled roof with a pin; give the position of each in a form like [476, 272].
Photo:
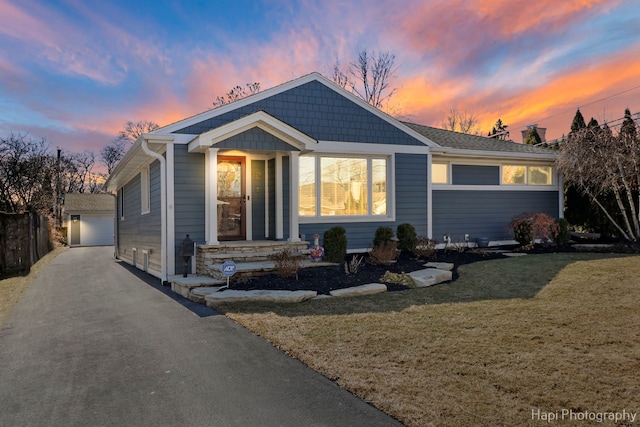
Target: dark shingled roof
[463, 141]
[89, 202]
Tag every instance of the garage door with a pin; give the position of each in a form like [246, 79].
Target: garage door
[96, 230]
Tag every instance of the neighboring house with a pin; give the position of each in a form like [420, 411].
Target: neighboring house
[305, 156]
[89, 219]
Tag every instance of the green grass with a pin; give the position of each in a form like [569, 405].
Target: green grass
[549, 332]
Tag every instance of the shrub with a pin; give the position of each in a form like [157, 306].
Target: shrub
[353, 266]
[287, 262]
[385, 253]
[425, 247]
[530, 226]
[383, 234]
[335, 244]
[407, 237]
[398, 279]
[563, 235]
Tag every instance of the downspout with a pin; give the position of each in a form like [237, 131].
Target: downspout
[163, 208]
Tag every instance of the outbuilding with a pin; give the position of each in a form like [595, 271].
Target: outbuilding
[89, 219]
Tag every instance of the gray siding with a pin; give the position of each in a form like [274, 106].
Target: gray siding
[319, 112]
[475, 175]
[137, 230]
[189, 200]
[255, 139]
[258, 199]
[486, 213]
[411, 205]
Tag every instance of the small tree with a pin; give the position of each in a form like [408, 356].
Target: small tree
[600, 165]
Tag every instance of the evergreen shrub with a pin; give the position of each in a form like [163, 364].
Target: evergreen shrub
[335, 244]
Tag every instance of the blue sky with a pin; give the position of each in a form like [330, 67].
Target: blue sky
[73, 71]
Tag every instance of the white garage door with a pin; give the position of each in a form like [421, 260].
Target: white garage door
[96, 230]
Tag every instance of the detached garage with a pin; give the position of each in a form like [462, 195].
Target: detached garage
[89, 219]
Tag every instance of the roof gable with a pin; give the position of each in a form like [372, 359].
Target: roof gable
[263, 129]
[314, 106]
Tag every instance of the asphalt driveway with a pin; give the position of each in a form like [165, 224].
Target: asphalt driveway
[91, 344]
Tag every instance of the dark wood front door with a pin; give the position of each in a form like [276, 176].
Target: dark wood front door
[231, 198]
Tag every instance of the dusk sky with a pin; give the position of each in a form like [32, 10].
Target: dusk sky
[73, 72]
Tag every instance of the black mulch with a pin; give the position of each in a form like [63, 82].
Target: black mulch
[325, 279]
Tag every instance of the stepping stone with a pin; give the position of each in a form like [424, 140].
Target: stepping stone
[440, 265]
[231, 295]
[514, 254]
[198, 294]
[183, 285]
[430, 277]
[370, 289]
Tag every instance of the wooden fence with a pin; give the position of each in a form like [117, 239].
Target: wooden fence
[24, 239]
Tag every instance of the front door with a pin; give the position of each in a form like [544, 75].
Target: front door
[231, 198]
[75, 230]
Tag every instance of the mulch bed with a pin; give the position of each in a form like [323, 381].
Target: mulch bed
[326, 279]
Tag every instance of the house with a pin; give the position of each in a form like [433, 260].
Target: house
[299, 158]
[89, 219]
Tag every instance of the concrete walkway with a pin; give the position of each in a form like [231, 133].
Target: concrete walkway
[91, 343]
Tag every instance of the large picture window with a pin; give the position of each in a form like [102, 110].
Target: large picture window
[343, 186]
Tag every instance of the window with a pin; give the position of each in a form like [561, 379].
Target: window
[307, 191]
[540, 175]
[343, 186]
[145, 192]
[527, 175]
[514, 174]
[439, 173]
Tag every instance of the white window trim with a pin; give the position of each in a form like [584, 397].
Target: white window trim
[554, 186]
[390, 187]
[145, 191]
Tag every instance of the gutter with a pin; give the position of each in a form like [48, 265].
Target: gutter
[163, 203]
[458, 152]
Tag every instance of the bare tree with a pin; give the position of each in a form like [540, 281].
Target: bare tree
[236, 93]
[112, 153]
[26, 173]
[461, 121]
[76, 171]
[601, 165]
[132, 130]
[117, 147]
[369, 77]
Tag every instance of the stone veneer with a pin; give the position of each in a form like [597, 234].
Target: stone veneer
[242, 251]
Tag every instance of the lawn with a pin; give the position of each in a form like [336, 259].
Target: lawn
[507, 343]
